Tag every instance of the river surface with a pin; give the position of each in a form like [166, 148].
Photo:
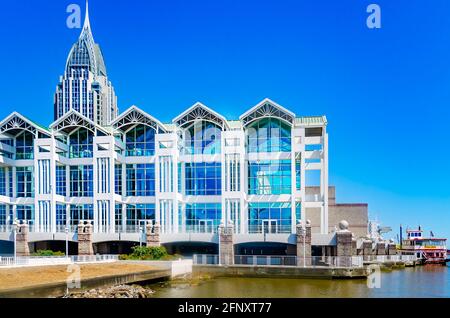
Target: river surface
[420, 281]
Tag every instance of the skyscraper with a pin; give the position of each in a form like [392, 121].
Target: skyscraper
[85, 86]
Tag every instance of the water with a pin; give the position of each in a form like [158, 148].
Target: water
[416, 282]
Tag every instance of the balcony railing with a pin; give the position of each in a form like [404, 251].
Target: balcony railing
[272, 229]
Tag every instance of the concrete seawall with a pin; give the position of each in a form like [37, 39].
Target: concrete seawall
[279, 272]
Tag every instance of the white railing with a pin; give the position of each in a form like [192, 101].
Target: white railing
[408, 258]
[94, 258]
[34, 261]
[56, 260]
[205, 259]
[293, 261]
[390, 258]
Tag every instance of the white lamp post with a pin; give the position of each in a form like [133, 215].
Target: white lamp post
[140, 236]
[67, 241]
[15, 239]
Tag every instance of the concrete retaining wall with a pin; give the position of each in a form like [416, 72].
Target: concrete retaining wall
[279, 272]
[176, 268]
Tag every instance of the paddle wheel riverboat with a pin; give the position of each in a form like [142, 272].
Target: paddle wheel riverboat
[429, 250]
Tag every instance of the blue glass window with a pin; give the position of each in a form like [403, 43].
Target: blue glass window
[314, 147]
[61, 180]
[24, 146]
[81, 144]
[140, 180]
[269, 177]
[298, 211]
[25, 184]
[269, 135]
[203, 178]
[83, 212]
[202, 137]
[203, 217]
[3, 181]
[298, 172]
[119, 218]
[118, 179]
[81, 181]
[25, 213]
[61, 217]
[140, 141]
[2, 214]
[137, 214]
[269, 217]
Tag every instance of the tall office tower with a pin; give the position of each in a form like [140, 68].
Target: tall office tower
[85, 86]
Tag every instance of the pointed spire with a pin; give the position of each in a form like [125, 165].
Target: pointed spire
[87, 22]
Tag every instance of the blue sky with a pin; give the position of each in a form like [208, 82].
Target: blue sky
[386, 92]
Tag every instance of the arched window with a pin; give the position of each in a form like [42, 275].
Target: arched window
[202, 137]
[269, 135]
[140, 141]
[81, 144]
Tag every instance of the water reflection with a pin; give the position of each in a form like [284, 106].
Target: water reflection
[427, 281]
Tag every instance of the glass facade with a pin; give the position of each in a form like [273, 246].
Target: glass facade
[202, 137]
[81, 181]
[269, 217]
[203, 217]
[183, 181]
[140, 141]
[25, 183]
[140, 180]
[269, 177]
[269, 135]
[81, 144]
[203, 178]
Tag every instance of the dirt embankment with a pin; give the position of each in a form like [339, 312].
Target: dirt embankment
[33, 276]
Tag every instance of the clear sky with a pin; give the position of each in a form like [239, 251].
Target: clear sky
[386, 92]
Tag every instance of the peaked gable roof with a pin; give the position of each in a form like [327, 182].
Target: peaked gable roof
[267, 108]
[199, 111]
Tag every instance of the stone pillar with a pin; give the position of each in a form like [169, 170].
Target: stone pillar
[22, 247]
[392, 249]
[354, 246]
[367, 250]
[344, 245]
[85, 246]
[152, 234]
[226, 244]
[380, 249]
[304, 244]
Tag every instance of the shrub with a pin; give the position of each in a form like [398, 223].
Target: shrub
[148, 253]
[48, 253]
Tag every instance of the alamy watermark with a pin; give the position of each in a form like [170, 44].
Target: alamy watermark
[374, 19]
[374, 278]
[74, 19]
